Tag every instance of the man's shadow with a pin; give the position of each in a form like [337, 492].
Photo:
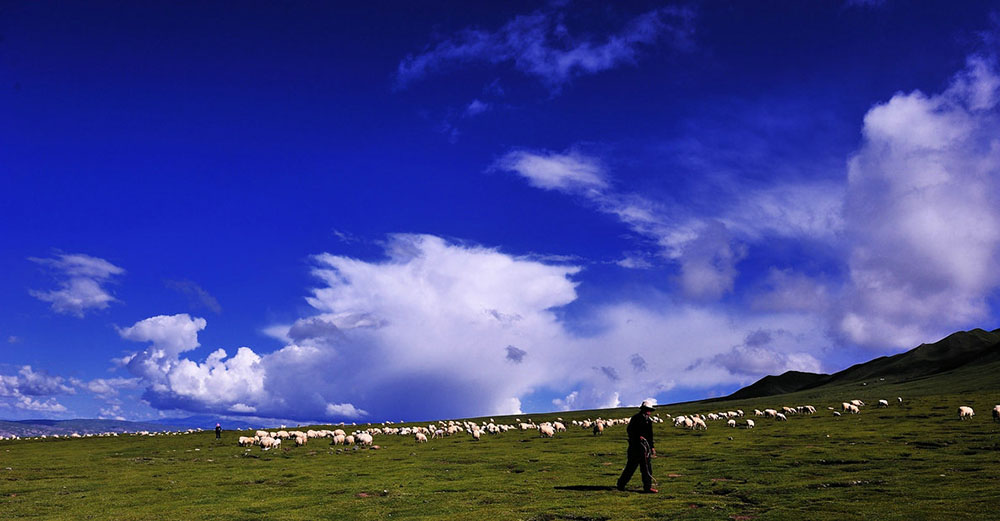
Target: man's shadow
[585, 488]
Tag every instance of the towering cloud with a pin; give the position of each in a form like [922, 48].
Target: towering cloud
[921, 213]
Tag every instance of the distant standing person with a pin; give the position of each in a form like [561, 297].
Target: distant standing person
[640, 448]
[218, 431]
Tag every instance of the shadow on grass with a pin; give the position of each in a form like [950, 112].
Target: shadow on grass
[586, 488]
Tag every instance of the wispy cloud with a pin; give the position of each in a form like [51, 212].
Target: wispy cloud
[541, 45]
[198, 296]
[81, 281]
[706, 244]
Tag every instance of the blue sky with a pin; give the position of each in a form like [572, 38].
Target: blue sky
[316, 213]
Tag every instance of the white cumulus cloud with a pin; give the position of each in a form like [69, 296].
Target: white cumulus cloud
[921, 213]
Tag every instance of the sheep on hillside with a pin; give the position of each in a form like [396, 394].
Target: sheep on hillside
[731, 423]
[883, 403]
[750, 424]
[965, 412]
[546, 431]
[996, 413]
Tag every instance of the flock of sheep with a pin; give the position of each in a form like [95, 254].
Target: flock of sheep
[108, 434]
[268, 440]
[421, 434]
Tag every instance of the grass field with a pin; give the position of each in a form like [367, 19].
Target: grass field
[910, 462]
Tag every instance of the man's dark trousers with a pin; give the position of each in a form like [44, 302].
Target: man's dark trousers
[637, 458]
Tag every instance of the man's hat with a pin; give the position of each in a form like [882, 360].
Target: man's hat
[647, 406]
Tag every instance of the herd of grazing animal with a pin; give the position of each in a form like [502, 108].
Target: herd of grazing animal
[269, 440]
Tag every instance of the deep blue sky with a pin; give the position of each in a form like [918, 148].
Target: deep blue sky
[723, 190]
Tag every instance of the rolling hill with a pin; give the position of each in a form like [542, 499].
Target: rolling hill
[964, 350]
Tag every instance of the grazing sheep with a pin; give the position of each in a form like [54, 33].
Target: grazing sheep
[770, 413]
[758, 412]
[900, 398]
[965, 412]
[835, 413]
[750, 424]
[246, 441]
[559, 427]
[547, 431]
[781, 417]
[262, 434]
[731, 423]
[349, 440]
[300, 441]
[420, 437]
[698, 423]
[598, 428]
[854, 409]
[364, 439]
[883, 403]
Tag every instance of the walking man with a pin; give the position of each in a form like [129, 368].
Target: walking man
[218, 431]
[640, 448]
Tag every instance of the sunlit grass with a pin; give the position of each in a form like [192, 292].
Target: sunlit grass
[909, 461]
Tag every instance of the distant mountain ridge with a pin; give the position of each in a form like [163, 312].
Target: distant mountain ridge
[26, 428]
[955, 351]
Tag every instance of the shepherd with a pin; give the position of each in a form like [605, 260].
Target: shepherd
[218, 431]
[640, 448]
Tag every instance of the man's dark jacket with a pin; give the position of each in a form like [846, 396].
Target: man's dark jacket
[640, 426]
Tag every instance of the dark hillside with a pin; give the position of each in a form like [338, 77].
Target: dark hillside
[785, 383]
[956, 351]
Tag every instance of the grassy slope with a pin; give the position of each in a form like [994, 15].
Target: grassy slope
[914, 461]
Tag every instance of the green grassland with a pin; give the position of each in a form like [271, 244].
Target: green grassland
[907, 462]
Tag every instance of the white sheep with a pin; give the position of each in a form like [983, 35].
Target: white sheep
[835, 413]
[731, 423]
[698, 423]
[965, 412]
[750, 424]
[781, 417]
[547, 431]
[246, 441]
[996, 413]
[364, 439]
[883, 403]
[420, 437]
[854, 409]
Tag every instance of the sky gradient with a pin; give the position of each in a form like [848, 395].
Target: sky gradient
[307, 212]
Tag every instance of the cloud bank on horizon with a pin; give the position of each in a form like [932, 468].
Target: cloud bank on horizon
[738, 276]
